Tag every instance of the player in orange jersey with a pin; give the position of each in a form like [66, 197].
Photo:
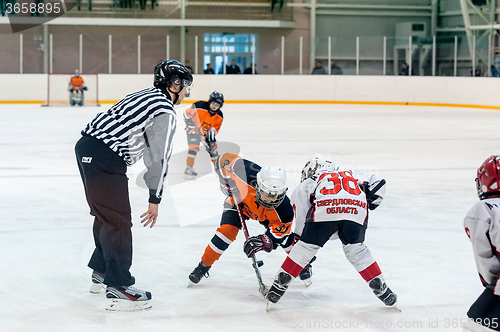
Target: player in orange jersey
[260, 193]
[203, 121]
[76, 88]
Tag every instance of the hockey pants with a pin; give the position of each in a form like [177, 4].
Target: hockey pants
[486, 310]
[106, 190]
[316, 234]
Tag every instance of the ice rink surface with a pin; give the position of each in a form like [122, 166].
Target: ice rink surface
[428, 155]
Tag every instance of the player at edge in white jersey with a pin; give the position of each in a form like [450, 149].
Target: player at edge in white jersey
[329, 203]
[482, 225]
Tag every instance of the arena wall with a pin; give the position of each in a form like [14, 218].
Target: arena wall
[442, 91]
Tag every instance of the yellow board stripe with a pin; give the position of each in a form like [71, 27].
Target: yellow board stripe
[22, 101]
[341, 102]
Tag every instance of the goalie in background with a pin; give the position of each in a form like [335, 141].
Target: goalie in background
[203, 121]
[330, 204]
[260, 193]
[76, 88]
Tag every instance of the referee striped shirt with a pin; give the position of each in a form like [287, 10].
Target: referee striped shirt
[140, 125]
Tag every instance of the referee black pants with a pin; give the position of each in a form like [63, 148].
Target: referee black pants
[106, 189]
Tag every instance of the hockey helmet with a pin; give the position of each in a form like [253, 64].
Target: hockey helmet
[315, 164]
[216, 97]
[172, 72]
[488, 178]
[271, 187]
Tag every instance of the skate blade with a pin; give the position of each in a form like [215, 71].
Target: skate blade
[189, 177]
[97, 288]
[127, 305]
[395, 307]
[268, 305]
[190, 283]
[307, 282]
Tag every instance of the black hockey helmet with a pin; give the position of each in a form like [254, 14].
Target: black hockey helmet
[216, 97]
[172, 72]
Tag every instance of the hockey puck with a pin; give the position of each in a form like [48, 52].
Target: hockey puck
[260, 263]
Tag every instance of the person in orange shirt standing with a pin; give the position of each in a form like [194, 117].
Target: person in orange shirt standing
[203, 121]
[76, 88]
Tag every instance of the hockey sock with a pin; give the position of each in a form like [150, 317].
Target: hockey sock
[299, 257]
[190, 158]
[361, 258]
[224, 236]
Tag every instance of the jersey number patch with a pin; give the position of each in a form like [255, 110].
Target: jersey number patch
[346, 181]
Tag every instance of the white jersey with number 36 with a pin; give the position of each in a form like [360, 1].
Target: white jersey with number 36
[333, 196]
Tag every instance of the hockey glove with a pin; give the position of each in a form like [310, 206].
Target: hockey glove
[210, 136]
[210, 143]
[365, 187]
[370, 198]
[257, 243]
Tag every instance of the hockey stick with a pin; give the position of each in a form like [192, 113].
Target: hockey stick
[256, 264]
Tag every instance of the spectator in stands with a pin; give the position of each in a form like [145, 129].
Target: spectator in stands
[405, 69]
[319, 70]
[249, 69]
[209, 69]
[494, 71]
[334, 69]
[233, 68]
[477, 72]
[275, 2]
[186, 64]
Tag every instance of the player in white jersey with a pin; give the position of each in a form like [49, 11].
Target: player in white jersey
[329, 203]
[482, 225]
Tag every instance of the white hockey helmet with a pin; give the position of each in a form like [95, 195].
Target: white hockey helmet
[315, 164]
[271, 187]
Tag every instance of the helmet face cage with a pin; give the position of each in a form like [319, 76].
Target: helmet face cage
[488, 178]
[270, 190]
[172, 72]
[216, 97]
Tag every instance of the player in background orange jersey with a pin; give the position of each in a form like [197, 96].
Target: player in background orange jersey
[76, 88]
[203, 121]
[261, 195]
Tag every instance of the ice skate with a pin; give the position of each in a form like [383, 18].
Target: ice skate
[123, 298]
[279, 287]
[190, 174]
[306, 275]
[383, 292]
[199, 272]
[97, 282]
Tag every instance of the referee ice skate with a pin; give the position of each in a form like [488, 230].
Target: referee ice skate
[140, 125]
